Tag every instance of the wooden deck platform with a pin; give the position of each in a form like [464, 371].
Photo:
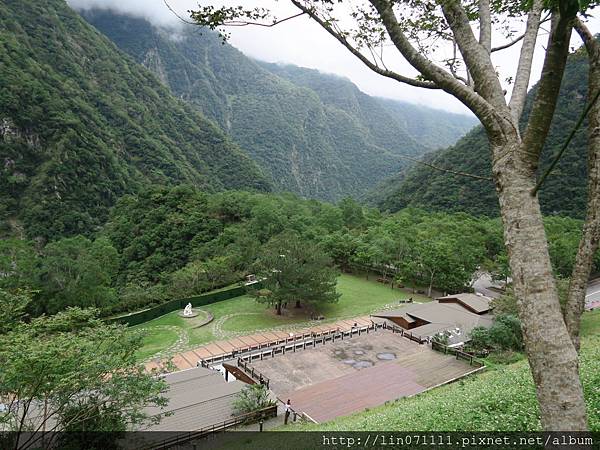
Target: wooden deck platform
[225, 348]
[348, 376]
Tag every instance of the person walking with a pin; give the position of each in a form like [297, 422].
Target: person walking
[288, 410]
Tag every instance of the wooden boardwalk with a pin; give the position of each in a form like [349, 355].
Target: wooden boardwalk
[226, 348]
[335, 379]
[355, 391]
[373, 386]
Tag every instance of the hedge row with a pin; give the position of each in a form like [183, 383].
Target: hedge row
[139, 317]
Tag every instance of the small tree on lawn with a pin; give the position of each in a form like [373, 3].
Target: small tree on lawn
[296, 271]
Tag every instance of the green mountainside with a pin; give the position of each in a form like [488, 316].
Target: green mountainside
[82, 124]
[316, 135]
[564, 192]
[385, 118]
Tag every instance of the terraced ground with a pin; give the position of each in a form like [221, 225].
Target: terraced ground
[172, 333]
[502, 399]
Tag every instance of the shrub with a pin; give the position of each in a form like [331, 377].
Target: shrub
[250, 399]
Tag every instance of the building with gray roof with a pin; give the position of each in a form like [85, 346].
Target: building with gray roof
[452, 315]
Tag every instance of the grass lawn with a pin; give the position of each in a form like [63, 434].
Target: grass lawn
[590, 323]
[155, 340]
[244, 315]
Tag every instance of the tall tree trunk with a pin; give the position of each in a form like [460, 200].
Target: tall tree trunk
[278, 308]
[552, 356]
[430, 285]
[591, 227]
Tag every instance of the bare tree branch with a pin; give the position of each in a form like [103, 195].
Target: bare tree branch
[518, 38]
[236, 23]
[442, 78]
[523, 75]
[508, 44]
[485, 25]
[476, 57]
[182, 19]
[588, 245]
[548, 87]
[370, 64]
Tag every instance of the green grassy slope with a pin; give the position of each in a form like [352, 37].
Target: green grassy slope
[244, 316]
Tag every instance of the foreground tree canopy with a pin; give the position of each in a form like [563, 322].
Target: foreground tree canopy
[69, 372]
[413, 28]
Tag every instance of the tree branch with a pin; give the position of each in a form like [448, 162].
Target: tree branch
[549, 85]
[508, 44]
[485, 25]
[582, 117]
[476, 57]
[243, 23]
[439, 76]
[523, 75]
[371, 65]
[588, 245]
[517, 39]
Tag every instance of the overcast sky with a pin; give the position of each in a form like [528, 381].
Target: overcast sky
[304, 43]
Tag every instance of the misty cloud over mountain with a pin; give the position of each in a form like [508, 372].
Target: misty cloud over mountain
[155, 11]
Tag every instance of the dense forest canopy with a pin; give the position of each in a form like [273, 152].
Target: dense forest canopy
[166, 243]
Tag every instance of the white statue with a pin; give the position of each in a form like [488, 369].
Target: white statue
[187, 311]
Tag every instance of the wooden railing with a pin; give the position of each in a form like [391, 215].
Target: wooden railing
[403, 332]
[183, 437]
[473, 361]
[252, 372]
[302, 342]
[292, 343]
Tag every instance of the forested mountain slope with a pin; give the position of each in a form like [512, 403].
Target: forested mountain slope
[564, 192]
[81, 124]
[317, 135]
[385, 118]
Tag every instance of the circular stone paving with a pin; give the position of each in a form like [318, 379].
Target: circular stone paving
[358, 352]
[349, 361]
[362, 364]
[386, 356]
